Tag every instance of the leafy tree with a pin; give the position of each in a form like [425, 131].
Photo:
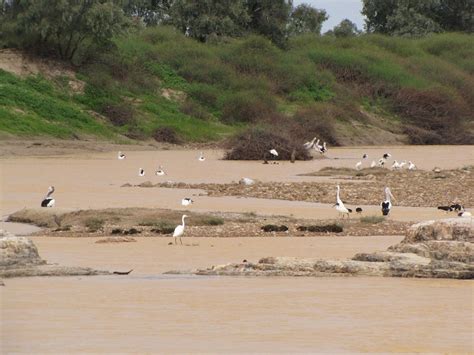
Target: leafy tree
[206, 19]
[346, 28]
[152, 12]
[270, 18]
[62, 27]
[306, 19]
[418, 17]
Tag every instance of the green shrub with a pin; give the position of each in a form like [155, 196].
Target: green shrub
[94, 224]
[372, 219]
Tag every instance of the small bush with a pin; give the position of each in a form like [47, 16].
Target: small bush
[118, 114]
[372, 219]
[164, 227]
[254, 144]
[274, 228]
[166, 135]
[94, 224]
[212, 221]
[327, 228]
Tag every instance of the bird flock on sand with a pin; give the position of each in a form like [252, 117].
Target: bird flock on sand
[385, 205]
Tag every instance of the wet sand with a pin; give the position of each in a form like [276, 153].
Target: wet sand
[148, 312]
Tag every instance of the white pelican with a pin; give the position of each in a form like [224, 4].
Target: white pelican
[309, 145]
[186, 201]
[48, 201]
[273, 152]
[395, 165]
[359, 165]
[411, 166]
[121, 156]
[141, 172]
[340, 206]
[373, 164]
[179, 230]
[387, 204]
[201, 157]
[160, 171]
[324, 149]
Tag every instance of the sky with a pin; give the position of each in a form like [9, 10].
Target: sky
[337, 10]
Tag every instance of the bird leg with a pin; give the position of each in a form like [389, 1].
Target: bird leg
[181, 240]
[175, 241]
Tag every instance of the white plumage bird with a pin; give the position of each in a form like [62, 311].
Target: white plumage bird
[395, 165]
[48, 201]
[186, 201]
[340, 206]
[121, 156]
[373, 164]
[310, 144]
[411, 166]
[387, 203]
[179, 230]
[160, 171]
[141, 172]
[273, 152]
[359, 165]
[201, 157]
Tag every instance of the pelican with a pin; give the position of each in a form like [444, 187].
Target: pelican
[373, 164]
[411, 166]
[160, 171]
[340, 206]
[48, 201]
[186, 201]
[273, 152]
[359, 165]
[309, 145]
[402, 164]
[387, 204]
[179, 230]
[324, 149]
[121, 156]
[141, 172]
[381, 162]
[395, 165]
[201, 157]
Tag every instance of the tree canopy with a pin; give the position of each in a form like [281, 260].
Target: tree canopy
[418, 17]
[306, 19]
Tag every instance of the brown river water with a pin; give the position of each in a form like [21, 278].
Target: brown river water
[148, 312]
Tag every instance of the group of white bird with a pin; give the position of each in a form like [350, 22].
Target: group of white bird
[382, 161]
[314, 144]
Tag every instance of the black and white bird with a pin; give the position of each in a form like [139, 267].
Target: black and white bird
[186, 201]
[359, 210]
[387, 203]
[465, 214]
[365, 156]
[411, 166]
[48, 201]
[121, 156]
[381, 162]
[310, 144]
[445, 208]
[324, 148]
[340, 205]
[179, 230]
[160, 171]
[386, 156]
[201, 157]
[273, 152]
[141, 172]
[456, 207]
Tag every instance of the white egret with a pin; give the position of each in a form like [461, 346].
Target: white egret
[179, 231]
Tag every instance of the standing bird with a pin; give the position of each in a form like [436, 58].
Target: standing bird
[359, 165]
[121, 156]
[273, 152]
[179, 230]
[201, 157]
[387, 204]
[387, 155]
[141, 172]
[309, 145]
[411, 166]
[160, 171]
[373, 164]
[186, 201]
[324, 149]
[48, 201]
[402, 164]
[381, 162]
[340, 206]
[395, 165]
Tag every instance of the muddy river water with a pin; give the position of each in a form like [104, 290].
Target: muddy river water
[148, 312]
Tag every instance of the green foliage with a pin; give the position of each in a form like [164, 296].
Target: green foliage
[94, 224]
[372, 219]
[346, 28]
[306, 19]
[62, 27]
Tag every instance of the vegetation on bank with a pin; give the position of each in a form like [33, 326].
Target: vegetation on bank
[159, 78]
